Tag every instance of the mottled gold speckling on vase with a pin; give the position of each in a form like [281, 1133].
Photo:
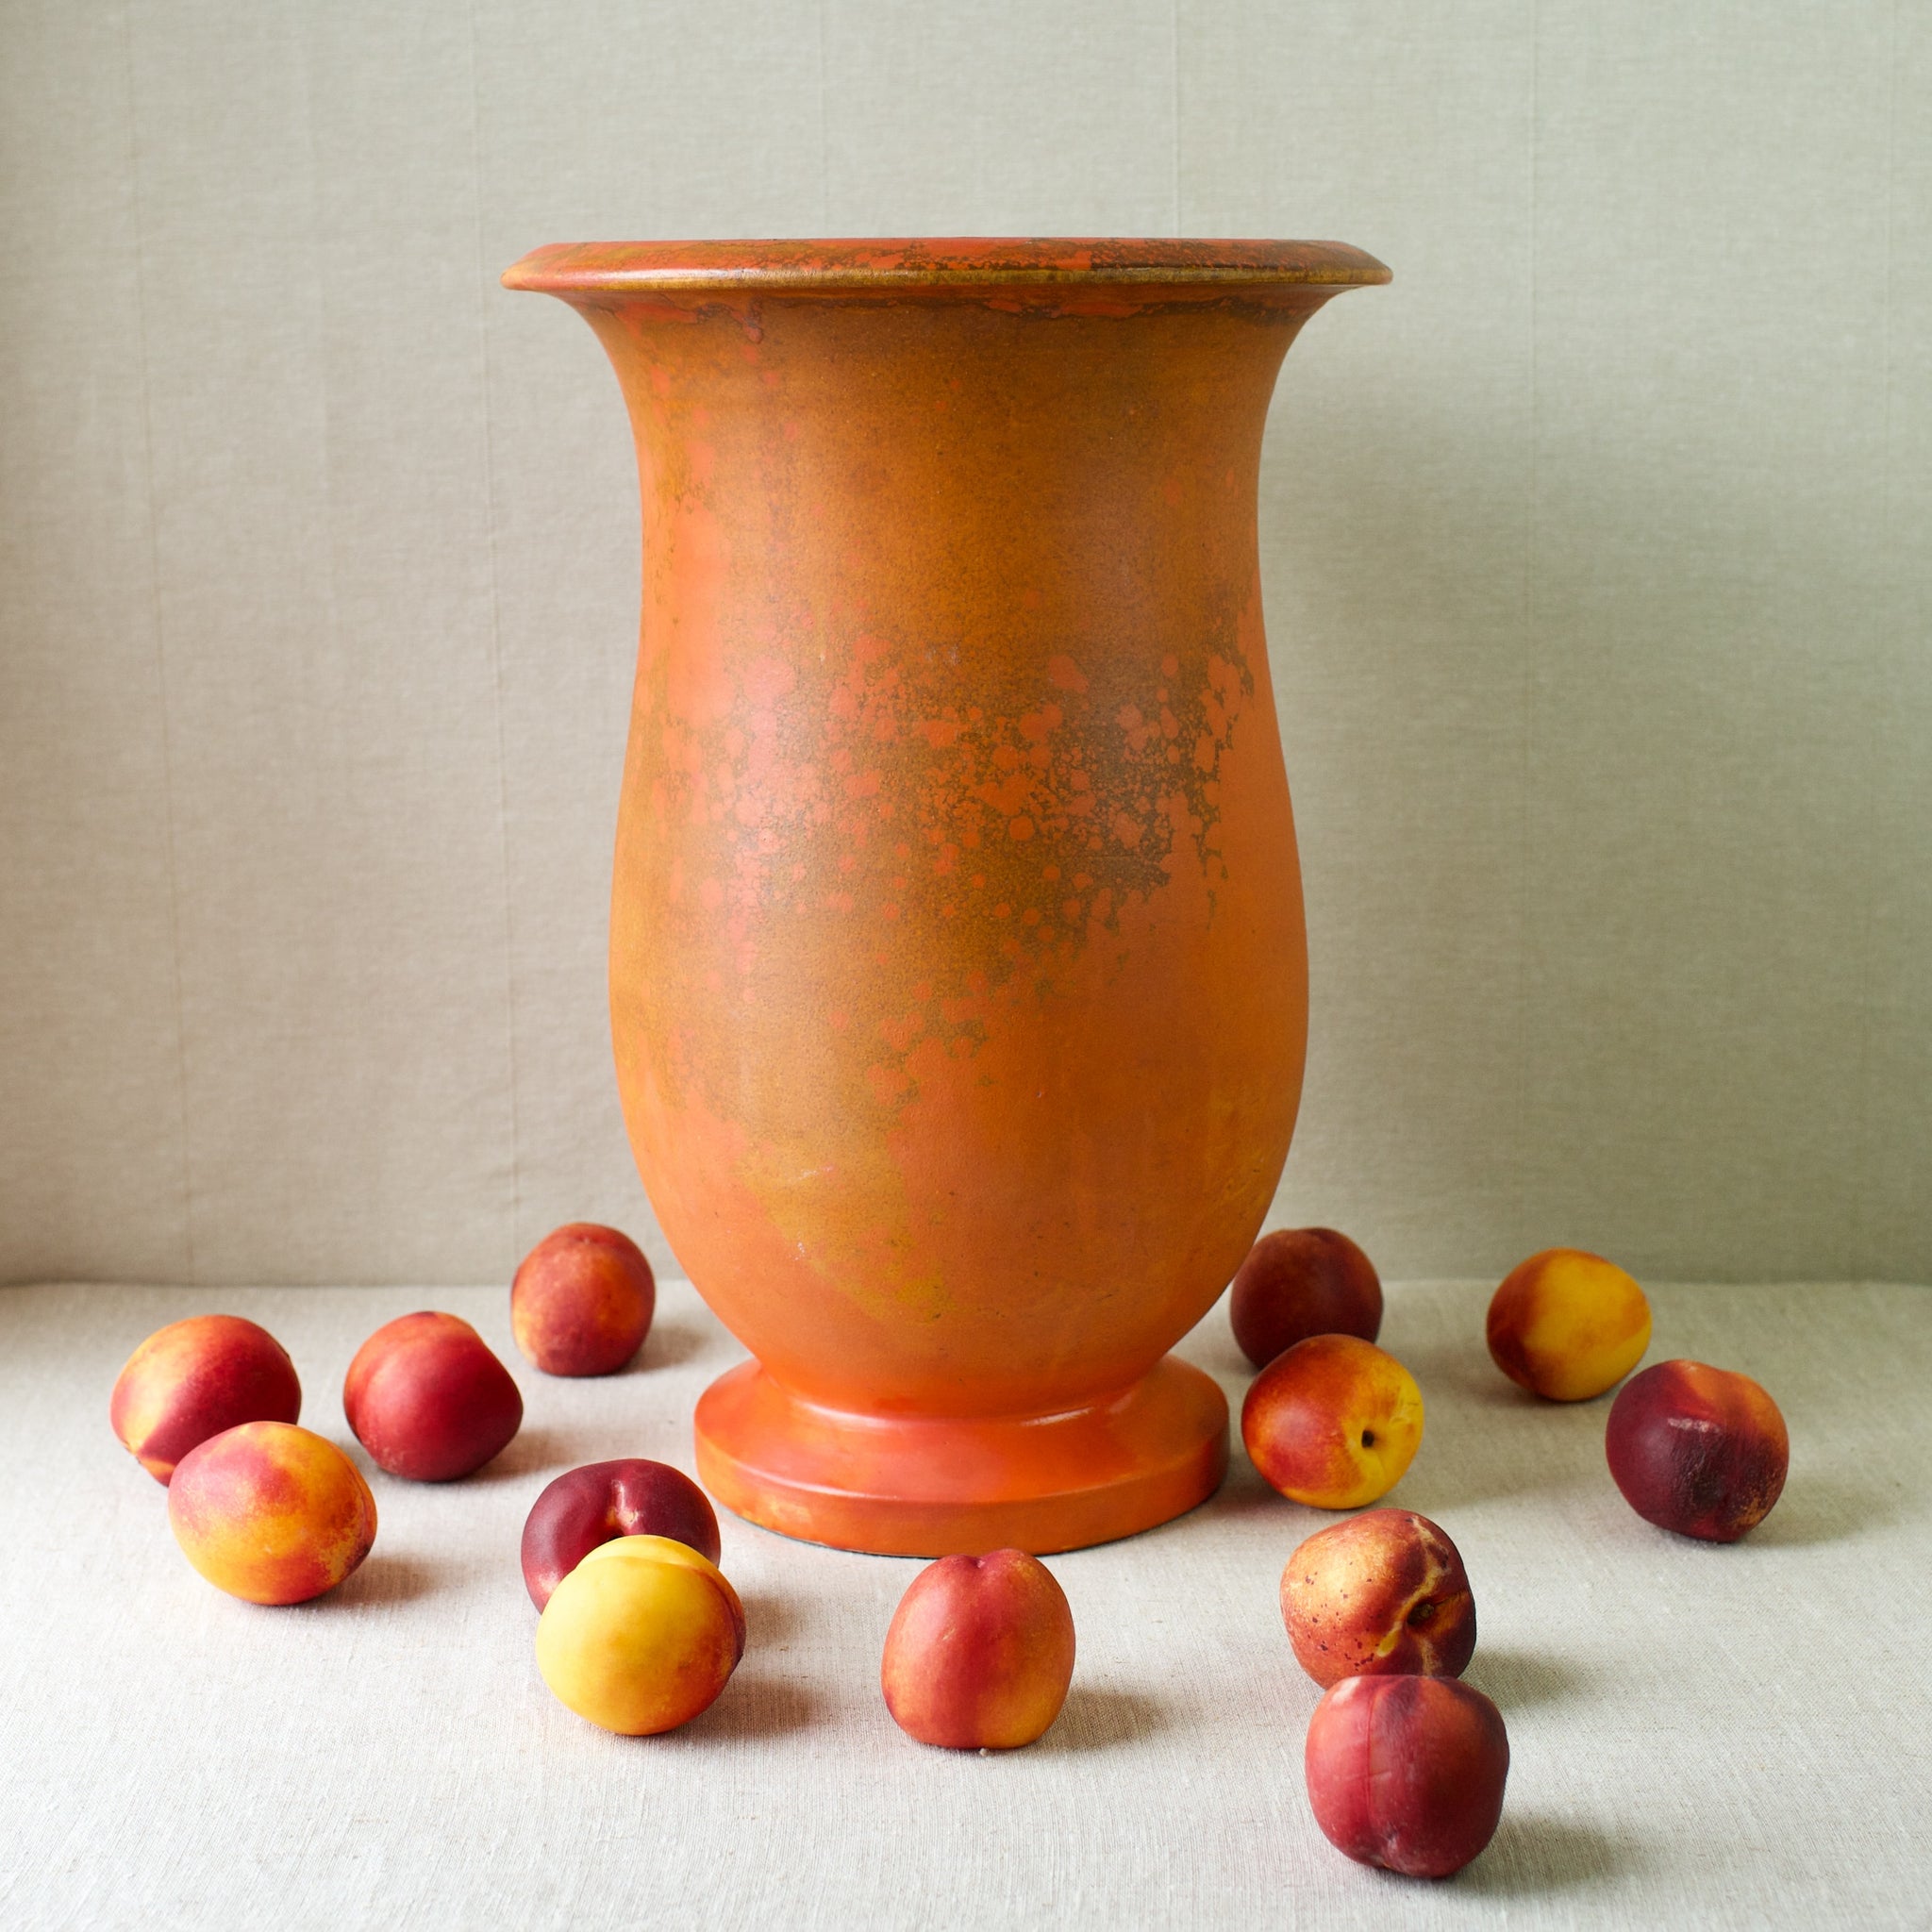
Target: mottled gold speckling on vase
[956, 967]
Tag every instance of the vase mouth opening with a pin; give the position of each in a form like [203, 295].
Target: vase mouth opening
[969, 263]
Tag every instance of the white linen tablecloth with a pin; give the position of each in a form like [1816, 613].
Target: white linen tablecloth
[1700, 1736]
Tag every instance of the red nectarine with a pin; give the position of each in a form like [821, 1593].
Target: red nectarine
[1406, 1773]
[582, 1301]
[601, 1501]
[427, 1399]
[195, 1379]
[980, 1652]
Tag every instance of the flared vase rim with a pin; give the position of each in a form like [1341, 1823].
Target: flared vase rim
[969, 263]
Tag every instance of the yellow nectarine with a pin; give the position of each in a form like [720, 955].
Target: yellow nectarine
[641, 1636]
[1568, 1324]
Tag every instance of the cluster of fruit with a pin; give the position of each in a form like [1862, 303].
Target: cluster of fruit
[276, 1514]
[638, 1630]
[1405, 1765]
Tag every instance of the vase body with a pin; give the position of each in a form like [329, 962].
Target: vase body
[958, 977]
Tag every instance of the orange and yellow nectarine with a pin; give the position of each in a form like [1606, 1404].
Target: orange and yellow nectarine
[270, 1513]
[1568, 1324]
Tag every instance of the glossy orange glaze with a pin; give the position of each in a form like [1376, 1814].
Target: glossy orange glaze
[958, 979]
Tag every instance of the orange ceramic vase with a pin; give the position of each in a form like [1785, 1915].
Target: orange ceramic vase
[956, 967]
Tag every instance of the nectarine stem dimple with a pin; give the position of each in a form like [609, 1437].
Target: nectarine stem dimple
[1368, 1439]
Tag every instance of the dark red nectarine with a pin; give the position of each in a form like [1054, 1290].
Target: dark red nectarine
[1698, 1450]
[601, 1501]
[1303, 1281]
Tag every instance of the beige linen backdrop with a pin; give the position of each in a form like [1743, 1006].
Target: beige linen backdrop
[1594, 548]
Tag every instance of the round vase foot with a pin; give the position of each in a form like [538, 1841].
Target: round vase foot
[923, 1486]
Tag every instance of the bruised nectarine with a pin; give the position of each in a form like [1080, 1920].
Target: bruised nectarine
[1382, 1593]
[1698, 1450]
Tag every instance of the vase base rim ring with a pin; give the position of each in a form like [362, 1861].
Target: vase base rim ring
[924, 1486]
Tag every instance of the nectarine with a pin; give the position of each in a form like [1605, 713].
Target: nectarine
[270, 1513]
[582, 1301]
[1384, 1593]
[601, 1501]
[1568, 1324]
[195, 1379]
[1303, 1281]
[1698, 1450]
[641, 1636]
[427, 1399]
[1406, 1773]
[980, 1653]
[1334, 1421]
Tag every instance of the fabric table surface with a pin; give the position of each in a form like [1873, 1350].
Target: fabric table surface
[1700, 1735]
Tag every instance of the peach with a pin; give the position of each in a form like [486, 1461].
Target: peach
[979, 1653]
[1698, 1450]
[270, 1513]
[195, 1379]
[590, 1505]
[641, 1636]
[1568, 1324]
[427, 1399]
[1334, 1421]
[1303, 1281]
[1382, 1594]
[1406, 1773]
[582, 1301]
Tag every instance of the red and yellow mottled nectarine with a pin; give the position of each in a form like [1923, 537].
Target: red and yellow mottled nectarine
[195, 1379]
[1334, 1421]
[1384, 1593]
[270, 1513]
